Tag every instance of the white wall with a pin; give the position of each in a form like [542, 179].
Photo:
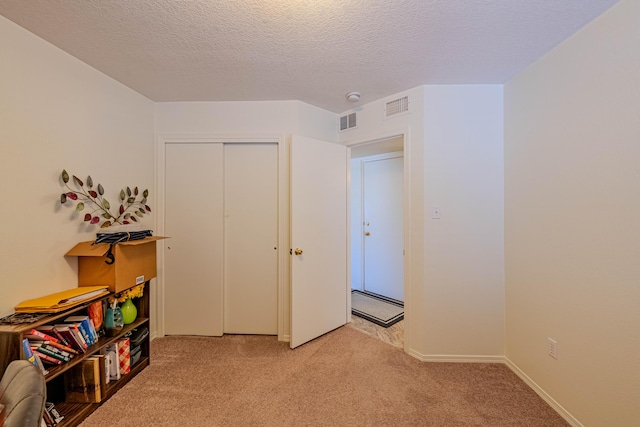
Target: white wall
[251, 118]
[58, 113]
[572, 220]
[454, 151]
[356, 224]
[463, 297]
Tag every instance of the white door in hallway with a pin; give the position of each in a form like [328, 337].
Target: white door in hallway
[382, 192]
[319, 283]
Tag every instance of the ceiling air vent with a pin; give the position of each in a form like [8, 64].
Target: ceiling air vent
[347, 122]
[396, 107]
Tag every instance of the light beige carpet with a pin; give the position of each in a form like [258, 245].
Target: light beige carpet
[344, 378]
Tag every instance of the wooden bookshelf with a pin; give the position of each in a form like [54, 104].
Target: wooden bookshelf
[11, 337]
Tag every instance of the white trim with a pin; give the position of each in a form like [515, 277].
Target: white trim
[405, 133]
[383, 156]
[543, 394]
[284, 274]
[456, 358]
[160, 230]
[348, 236]
[254, 137]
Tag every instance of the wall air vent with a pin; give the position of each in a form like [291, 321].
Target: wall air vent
[347, 122]
[396, 107]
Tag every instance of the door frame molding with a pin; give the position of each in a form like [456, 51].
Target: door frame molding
[283, 213]
[405, 134]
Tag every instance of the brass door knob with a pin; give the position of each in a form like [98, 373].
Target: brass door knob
[298, 251]
[366, 233]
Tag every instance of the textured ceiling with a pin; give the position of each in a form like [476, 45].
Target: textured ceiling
[313, 51]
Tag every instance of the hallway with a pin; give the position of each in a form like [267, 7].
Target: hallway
[393, 335]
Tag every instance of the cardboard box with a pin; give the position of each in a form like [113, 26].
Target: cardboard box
[135, 263]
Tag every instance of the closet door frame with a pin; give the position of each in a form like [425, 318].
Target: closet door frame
[283, 217]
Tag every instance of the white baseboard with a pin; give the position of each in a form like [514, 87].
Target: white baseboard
[456, 358]
[543, 394]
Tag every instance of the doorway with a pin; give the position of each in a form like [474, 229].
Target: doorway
[377, 228]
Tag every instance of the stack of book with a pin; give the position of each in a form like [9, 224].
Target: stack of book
[57, 344]
[51, 416]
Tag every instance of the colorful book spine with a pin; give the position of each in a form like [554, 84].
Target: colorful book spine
[51, 353]
[39, 364]
[49, 347]
[26, 349]
[78, 335]
[70, 337]
[47, 358]
[51, 409]
[83, 332]
[42, 335]
[86, 327]
[51, 330]
[62, 347]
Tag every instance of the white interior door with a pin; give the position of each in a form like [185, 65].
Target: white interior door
[251, 239]
[193, 282]
[383, 182]
[319, 230]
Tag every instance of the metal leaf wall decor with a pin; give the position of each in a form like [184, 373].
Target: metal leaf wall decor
[132, 203]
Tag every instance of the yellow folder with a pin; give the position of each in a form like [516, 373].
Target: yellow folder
[61, 300]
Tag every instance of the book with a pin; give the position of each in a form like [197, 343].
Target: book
[41, 335]
[43, 350]
[47, 359]
[48, 346]
[51, 409]
[61, 347]
[107, 366]
[83, 330]
[111, 353]
[65, 331]
[104, 375]
[82, 382]
[51, 330]
[75, 331]
[39, 364]
[86, 327]
[48, 419]
[26, 349]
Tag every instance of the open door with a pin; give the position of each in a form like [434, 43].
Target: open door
[318, 238]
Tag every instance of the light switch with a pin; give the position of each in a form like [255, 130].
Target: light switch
[435, 212]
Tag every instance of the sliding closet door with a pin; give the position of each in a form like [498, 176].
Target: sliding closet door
[250, 238]
[194, 253]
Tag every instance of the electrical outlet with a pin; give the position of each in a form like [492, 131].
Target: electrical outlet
[435, 212]
[553, 348]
